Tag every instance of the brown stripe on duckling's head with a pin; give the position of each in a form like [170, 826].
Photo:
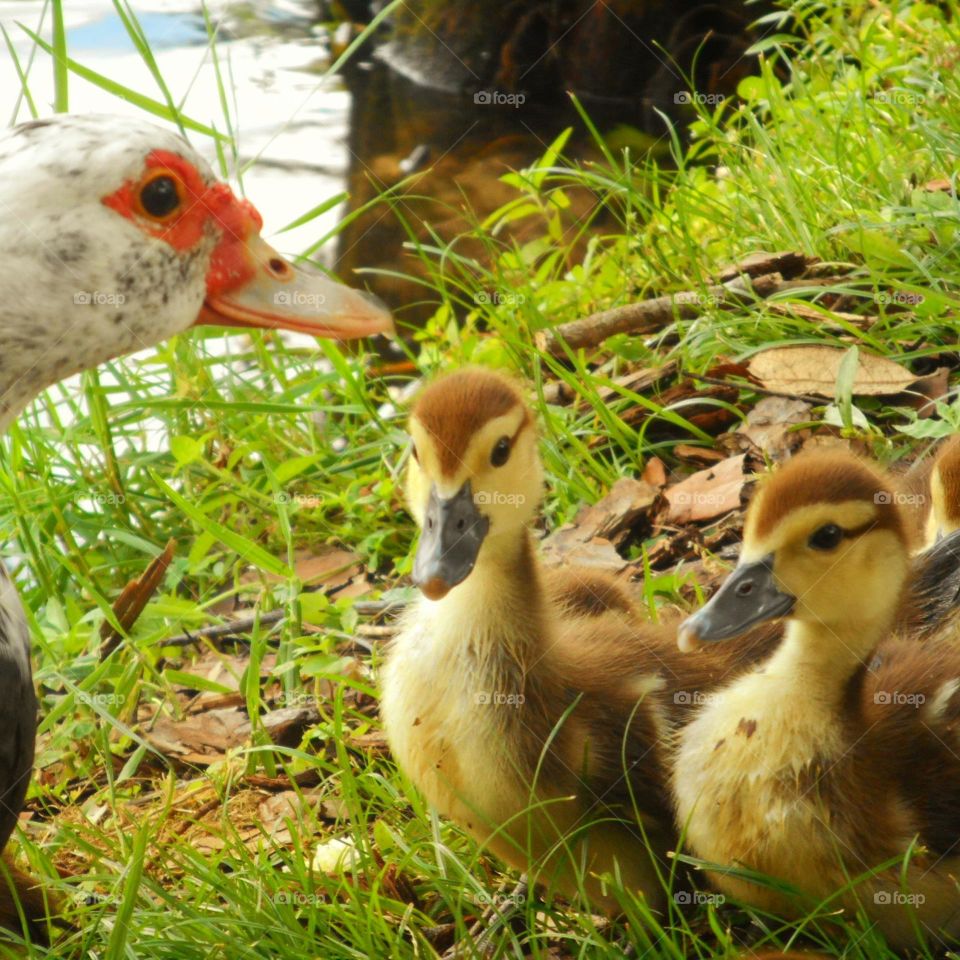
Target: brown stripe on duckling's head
[454, 407]
[821, 477]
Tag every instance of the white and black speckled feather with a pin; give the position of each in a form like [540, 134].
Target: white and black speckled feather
[60, 245]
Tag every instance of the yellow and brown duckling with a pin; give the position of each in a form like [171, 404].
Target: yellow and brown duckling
[839, 754]
[944, 516]
[532, 709]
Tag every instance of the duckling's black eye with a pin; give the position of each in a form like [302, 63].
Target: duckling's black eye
[828, 537]
[501, 452]
[413, 452]
[160, 197]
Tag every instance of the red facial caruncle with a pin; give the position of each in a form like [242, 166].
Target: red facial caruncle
[172, 202]
[248, 283]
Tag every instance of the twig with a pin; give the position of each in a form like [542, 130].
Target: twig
[649, 316]
[497, 915]
[747, 385]
[365, 608]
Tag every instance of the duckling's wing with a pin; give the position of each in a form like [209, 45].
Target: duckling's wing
[909, 705]
[934, 593]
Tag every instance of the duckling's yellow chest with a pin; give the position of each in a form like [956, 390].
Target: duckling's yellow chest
[448, 714]
[744, 781]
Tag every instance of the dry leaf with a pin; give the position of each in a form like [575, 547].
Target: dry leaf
[768, 426]
[654, 473]
[814, 369]
[706, 494]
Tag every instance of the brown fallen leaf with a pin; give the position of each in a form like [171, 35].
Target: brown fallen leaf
[813, 369]
[654, 473]
[133, 598]
[771, 426]
[202, 739]
[706, 494]
[701, 456]
[618, 511]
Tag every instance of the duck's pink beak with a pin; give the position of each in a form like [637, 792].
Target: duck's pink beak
[249, 284]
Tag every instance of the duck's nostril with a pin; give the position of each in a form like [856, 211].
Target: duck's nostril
[278, 267]
[461, 523]
[745, 589]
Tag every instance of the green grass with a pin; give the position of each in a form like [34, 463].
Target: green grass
[854, 108]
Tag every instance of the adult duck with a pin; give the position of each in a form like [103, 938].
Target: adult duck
[115, 234]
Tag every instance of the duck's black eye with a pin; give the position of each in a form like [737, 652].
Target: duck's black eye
[827, 537]
[501, 452]
[160, 197]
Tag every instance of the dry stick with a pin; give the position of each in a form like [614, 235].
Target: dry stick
[755, 388]
[649, 316]
[365, 608]
[498, 914]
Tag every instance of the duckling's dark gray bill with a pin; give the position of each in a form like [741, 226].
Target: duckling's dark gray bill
[453, 532]
[748, 596]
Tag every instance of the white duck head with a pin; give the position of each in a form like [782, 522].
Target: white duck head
[115, 234]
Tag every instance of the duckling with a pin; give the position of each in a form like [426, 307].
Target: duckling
[944, 516]
[530, 708]
[935, 591]
[836, 757]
